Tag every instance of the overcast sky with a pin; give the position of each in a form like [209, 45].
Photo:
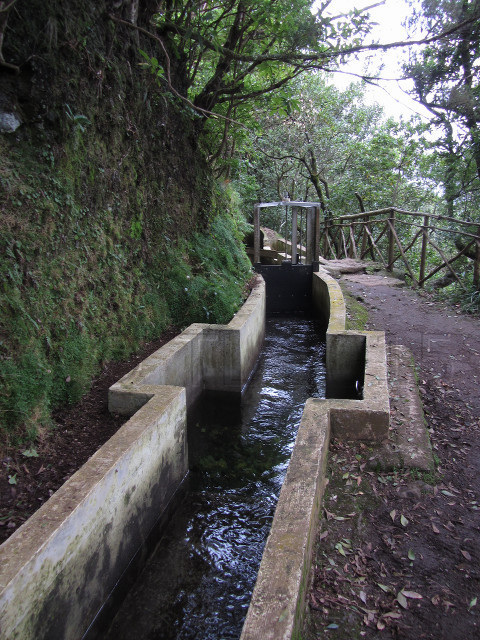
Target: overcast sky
[390, 17]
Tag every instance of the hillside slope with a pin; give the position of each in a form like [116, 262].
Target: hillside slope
[111, 226]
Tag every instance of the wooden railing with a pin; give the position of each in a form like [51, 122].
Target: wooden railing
[389, 235]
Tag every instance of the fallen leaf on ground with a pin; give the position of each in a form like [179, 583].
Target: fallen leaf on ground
[392, 614]
[401, 599]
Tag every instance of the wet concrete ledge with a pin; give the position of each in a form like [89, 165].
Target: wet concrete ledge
[58, 569]
[278, 602]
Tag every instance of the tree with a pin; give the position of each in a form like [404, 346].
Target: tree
[5, 8]
[224, 58]
[225, 52]
[334, 145]
[446, 72]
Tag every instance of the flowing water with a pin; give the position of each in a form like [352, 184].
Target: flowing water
[198, 582]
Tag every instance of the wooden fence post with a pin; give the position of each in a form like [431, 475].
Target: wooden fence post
[353, 247]
[423, 258]
[391, 239]
[325, 237]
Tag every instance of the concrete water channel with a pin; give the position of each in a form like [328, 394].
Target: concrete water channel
[199, 580]
[60, 567]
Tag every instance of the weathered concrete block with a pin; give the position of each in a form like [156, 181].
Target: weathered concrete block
[411, 439]
[204, 356]
[278, 601]
[328, 301]
[58, 569]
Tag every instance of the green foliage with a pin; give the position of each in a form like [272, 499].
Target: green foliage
[95, 214]
[228, 58]
[468, 299]
[76, 290]
[206, 276]
[357, 313]
[334, 146]
[446, 82]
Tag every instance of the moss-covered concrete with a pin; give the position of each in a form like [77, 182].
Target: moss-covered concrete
[275, 610]
[203, 357]
[58, 569]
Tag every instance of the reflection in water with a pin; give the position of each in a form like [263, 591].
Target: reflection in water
[199, 580]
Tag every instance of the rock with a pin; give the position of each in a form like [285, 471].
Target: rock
[346, 265]
[9, 122]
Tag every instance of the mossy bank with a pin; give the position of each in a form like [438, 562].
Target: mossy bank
[112, 227]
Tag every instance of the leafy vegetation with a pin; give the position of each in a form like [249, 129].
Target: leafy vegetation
[76, 292]
[334, 145]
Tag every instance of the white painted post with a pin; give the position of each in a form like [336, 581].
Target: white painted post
[294, 235]
[256, 235]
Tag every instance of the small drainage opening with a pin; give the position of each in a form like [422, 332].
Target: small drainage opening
[346, 356]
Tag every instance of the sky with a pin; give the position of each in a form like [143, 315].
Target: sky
[389, 17]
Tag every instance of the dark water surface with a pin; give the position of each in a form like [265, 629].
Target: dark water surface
[198, 582]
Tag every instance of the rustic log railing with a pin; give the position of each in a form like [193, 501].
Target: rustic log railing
[389, 235]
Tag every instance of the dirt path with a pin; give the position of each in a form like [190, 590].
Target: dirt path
[400, 552]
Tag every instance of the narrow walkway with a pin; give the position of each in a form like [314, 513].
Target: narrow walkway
[446, 344]
[407, 532]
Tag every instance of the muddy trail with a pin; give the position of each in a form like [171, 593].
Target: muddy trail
[398, 553]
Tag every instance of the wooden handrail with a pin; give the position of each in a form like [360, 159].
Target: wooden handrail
[415, 214]
[456, 232]
[390, 218]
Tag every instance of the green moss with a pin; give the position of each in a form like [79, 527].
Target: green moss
[357, 314]
[112, 227]
[79, 287]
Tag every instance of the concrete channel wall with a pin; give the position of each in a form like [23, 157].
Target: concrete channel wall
[58, 569]
[278, 602]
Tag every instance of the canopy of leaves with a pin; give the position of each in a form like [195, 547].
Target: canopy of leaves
[446, 73]
[225, 52]
[334, 145]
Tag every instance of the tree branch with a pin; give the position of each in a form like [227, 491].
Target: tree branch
[8, 7]
[406, 43]
[291, 57]
[3, 25]
[371, 6]
[169, 80]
